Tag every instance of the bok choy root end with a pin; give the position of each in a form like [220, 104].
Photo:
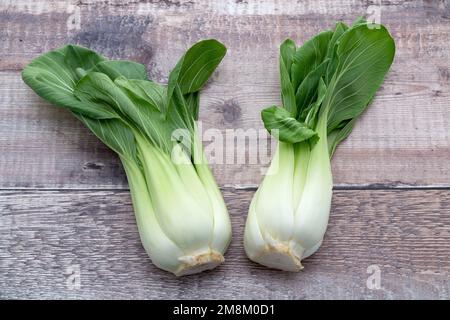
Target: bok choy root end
[181, 216]
[325, 86]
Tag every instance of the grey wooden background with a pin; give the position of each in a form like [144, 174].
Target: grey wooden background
[64, 200]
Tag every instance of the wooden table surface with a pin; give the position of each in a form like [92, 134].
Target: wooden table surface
[64, 199]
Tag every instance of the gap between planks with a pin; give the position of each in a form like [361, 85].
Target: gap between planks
[343, 187]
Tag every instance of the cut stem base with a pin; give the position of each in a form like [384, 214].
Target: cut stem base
[279, 256]
[199, 263]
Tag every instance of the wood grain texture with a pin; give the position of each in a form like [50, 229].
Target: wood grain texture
[64, 199]
[406, 233]
[402, 140]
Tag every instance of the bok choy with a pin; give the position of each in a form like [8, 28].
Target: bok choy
[181, 216]
[325, 86]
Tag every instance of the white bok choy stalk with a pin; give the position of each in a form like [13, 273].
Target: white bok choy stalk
[325, 86]
[181, 216]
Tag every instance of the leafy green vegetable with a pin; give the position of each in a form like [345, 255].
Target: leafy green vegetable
[289, 129]
[309, 56]
[194, 69]
[287, 50]
[182, 218]
[335, 76]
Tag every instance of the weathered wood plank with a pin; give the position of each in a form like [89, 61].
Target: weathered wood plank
[120, 29]
[406, 233]
[46, 147]
[230, 7]
[402, 140]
